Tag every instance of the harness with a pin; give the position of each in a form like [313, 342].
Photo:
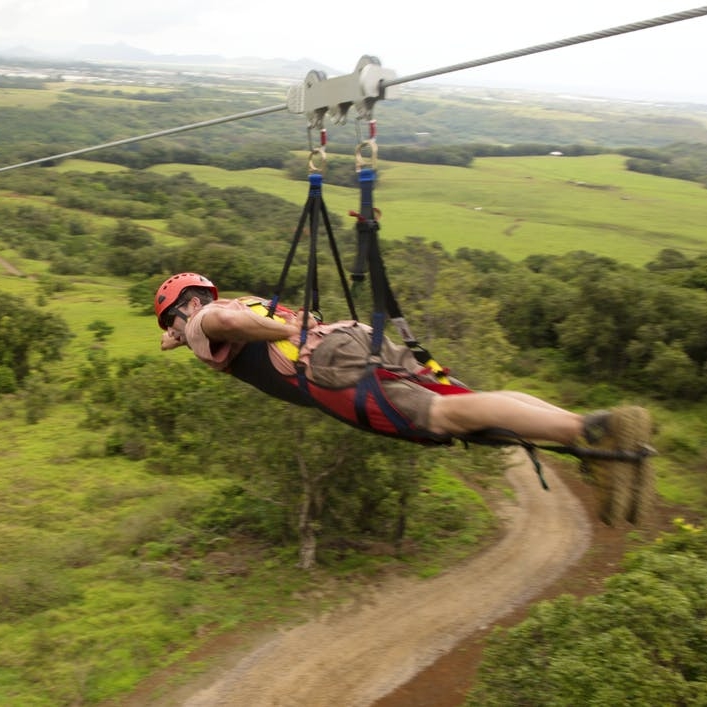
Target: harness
[365, 405]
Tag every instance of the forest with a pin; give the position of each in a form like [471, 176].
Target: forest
[132, 512]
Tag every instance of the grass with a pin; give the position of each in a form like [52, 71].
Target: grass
[92, 538]
[37, 100]
[74, 165]
[682, 439]
[516, 206]
[90, 299]
[27, 98]
[72, 526]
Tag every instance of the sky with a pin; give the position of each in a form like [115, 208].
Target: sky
[409, 37]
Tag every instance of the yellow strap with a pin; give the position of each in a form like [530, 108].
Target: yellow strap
[437, 370]
[291, 351]
[285, 345]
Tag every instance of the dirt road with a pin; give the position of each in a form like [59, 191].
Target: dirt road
[357, 654]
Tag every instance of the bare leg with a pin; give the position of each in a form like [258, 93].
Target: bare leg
[523, 414]
[530, 400]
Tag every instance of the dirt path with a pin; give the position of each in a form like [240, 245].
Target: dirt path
[357, 654]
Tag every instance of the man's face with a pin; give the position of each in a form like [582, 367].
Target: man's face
[175, 319]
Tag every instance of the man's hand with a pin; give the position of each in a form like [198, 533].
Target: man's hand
[170, 341]
[311, 321]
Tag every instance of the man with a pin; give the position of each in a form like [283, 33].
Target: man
[234, 336]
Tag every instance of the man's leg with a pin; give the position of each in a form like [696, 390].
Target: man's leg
[530, 400]
[523, 414]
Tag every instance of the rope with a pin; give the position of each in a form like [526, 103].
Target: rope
[536, 49]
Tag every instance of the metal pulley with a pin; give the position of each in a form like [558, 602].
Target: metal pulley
[318, 96]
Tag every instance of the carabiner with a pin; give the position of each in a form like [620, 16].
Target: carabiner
[360, 160]
[321, 152]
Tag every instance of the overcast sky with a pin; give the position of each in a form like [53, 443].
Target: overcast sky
[409, 37]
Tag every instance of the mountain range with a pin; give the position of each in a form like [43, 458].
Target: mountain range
[122, 53]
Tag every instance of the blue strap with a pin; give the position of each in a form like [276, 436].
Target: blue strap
[378, 325]
[370, 385]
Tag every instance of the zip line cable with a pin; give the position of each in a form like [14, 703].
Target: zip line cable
[535, 49]
[150, 136]
[538, 48]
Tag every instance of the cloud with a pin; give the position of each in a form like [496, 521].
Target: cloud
[130, 18]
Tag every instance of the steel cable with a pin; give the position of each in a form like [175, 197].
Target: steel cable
[538, 48]
[150, 136]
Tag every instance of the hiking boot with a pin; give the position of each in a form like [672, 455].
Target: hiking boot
[618, 462]
[596, 426]
[596, 432]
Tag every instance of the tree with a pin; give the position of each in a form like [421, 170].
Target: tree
[101, 329]
[127, 234]
[673, 374]
[312, 479]
[29, 337]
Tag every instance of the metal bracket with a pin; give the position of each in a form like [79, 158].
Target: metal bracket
[319, 95]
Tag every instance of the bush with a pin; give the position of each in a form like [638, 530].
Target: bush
[642, 642]
[28, 587]
[8, 382]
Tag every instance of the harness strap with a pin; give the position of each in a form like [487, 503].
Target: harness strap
[370, 387]
[258, 307]
[314, 208]
[384, 301]
[499, 437]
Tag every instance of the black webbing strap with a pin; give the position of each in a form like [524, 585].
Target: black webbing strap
[369, 258]
[313, 208]
[499, 437]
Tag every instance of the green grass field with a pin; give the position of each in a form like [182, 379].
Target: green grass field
[52, 92]
[25, 98]
[515, 206]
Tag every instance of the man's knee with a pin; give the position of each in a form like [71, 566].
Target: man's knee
[447, 414]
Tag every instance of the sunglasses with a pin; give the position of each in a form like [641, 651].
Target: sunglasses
[171, 314]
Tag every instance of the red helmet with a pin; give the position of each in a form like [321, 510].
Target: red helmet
[169, 291]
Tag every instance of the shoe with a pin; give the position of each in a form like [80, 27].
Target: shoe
[596, 426]
[621, 472]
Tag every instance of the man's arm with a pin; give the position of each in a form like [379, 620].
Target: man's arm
[221, 324]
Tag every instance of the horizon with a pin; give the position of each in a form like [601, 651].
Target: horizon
[655, 64]
[122, 54]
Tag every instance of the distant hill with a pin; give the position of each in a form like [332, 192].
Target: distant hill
[126, 54]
